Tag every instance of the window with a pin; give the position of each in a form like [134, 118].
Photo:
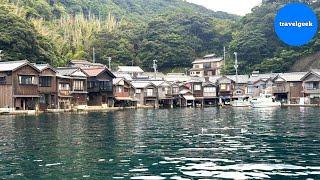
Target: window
[119, 89]
[106, 85]
[207, 65]
[2, 80]
[196, 66]
[91, 84]
[209, 89]
[78, 85]
[26, 80]
[138, 91]
[238, 92]
[64, 86]
[45, 81]
[197, 87]
[149, 92]
[175, 89]
[197, 72]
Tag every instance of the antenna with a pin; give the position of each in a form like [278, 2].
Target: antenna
[224, 56]
[155, 68]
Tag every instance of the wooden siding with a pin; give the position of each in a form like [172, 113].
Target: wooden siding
[20, 89]
[53, 86]
[6, 96]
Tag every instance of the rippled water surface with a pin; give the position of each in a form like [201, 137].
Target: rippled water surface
[163, 144]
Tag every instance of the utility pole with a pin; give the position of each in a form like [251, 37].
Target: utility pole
[93, 56]
[155, 68]
[109, 59]
[1, 55]
[236, 67]
[224, 56]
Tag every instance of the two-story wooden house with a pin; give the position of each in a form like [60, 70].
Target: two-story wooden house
[287, 87]
[146, 93]
[311, 86]
[72, 81]
[18, 86]
[99, 86]
[195, 86]
[47, 87]
[260, 83]
[209, 65]
[165, 94]
[240, 85]
[210, 97]
[225, 89]
[123, 92]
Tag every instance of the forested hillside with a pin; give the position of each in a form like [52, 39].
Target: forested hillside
[138, 31]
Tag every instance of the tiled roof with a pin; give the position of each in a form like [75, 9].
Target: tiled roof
[131, 69]
[123, 75]
[214, 79]
[85, 63]
[205, 60]
[242, 79]
[257, 77]
[42, 67]
[294, 76]
[140, 84]
[93, 71]
[12, 65]
[177, 77]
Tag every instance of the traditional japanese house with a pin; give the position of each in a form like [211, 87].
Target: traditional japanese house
[18, 86]
[240, 86]
[287, 87]
[76, 87]
[186, 97]
[225, 89]
[210, 97]
[195, 86]
[311, 86]
[260, 83]
[146, 93]
[123, 92]
[165, 94]
[47, 87]
[64, 98]
[99, 86]
[209, 65]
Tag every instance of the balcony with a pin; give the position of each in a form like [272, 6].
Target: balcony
[150, 94]
[64, 92]
[122, 94]
[209, 94]
[280, 89]
[312, 91]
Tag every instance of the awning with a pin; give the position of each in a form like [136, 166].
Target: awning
[189, 97]
[123, 98]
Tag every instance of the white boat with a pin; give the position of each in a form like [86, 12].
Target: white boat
[264, 100]
[240, 102]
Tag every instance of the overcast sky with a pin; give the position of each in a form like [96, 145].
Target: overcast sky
[239, 7]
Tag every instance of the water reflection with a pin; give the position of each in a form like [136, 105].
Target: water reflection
[167, 143]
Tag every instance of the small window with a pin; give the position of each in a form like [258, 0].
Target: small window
[45, 81]
[197, 87]
[64, 86]
[26, 80]
[78, 85]
[138, 91]
[3, 80]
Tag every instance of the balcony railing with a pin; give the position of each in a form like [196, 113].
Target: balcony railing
[122, 94]
[312, 91]
[64, 92]
[209, 94]
[280, 89]
[150, 94]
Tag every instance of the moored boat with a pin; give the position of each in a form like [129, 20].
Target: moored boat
[264, 100]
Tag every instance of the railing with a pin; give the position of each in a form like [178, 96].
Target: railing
[122, 94]
[209, 94]
[312, 91]
[64, 92]
[153, 94]
[280, 89]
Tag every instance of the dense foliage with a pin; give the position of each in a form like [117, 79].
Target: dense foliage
[174, 32]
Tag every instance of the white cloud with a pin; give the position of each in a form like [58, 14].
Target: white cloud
[239, 7]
